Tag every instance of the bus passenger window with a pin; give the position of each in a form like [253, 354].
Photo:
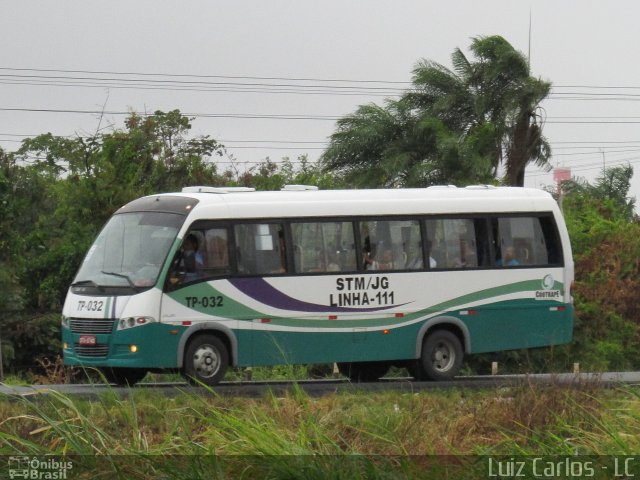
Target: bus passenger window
[525, 241]
[452, 243]
[391, 245]
[260, 249]
[321, 247]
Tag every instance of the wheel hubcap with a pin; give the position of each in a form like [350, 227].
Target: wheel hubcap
[206, 361]
[443, 357]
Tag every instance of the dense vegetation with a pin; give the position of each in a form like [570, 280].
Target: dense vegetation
[386, 435]
[56, 193]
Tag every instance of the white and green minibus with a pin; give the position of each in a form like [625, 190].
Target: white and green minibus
[208, 278]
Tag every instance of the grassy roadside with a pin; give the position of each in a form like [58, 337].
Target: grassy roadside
[385, 428]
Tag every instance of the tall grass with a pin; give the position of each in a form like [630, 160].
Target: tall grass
[352, 435]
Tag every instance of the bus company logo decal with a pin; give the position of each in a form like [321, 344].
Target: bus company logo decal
[39, 468]
[547, 293]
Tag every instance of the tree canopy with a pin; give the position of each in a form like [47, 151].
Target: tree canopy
[456, 126]
[57, 192]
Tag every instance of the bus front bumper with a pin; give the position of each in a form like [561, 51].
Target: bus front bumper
[148, 346]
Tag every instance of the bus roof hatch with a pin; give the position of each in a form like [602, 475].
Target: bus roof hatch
[217, 189]
[298, 188]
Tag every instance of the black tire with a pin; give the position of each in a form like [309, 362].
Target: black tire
[206, 360]
[441, 358]
[122, 375]
[363, 371]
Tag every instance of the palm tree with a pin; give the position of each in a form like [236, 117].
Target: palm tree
[391, 146]
[454, 126]
[380, 146]
[495, 88]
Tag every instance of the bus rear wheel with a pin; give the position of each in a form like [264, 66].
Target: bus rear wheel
[363, 371]
[122, 375]
[206, 360]
[441, 357]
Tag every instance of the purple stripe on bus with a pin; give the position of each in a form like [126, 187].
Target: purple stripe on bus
[258, 289]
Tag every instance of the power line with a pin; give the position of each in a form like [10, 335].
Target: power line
[226, 83]
[311, 145]
[182, 75]
[236, 89]
[255, 116]
[270, 78]
[595, 153]
[612, 87]
[259, 84]
[594, 143]
[172, 84]
[197, 115]
[590, 166]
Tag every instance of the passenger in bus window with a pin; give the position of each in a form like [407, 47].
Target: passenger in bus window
[432, 261]
[192, 258]
[386, 261]
[370, 262]
[415, 262]
[467, 258]
[509, 259]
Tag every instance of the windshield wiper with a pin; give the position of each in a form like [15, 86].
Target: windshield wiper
[85, 282]
[121, 275]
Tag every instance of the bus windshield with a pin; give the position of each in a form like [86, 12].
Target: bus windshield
[130, 250]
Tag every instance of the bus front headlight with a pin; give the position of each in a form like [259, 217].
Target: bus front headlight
[131, 322]
[65, 321]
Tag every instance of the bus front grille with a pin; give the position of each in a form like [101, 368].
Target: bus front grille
[91, 350]
[91, 325]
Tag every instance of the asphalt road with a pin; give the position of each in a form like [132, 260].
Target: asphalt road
[325, 387]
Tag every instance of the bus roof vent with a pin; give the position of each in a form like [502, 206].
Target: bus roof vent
[481, 187]
[298, 188]
[217, 189]
[437, 187]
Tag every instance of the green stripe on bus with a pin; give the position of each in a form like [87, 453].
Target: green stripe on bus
[221, 306]
[224, 306]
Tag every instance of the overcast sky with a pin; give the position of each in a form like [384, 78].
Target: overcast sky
[204, 52]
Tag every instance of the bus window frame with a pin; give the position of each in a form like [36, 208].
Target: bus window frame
[309, 220]
[356, 222]
[556, 238]
[288, 243]
[201, 225]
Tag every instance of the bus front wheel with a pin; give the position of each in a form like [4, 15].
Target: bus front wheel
[441, 357]
[206, 360]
